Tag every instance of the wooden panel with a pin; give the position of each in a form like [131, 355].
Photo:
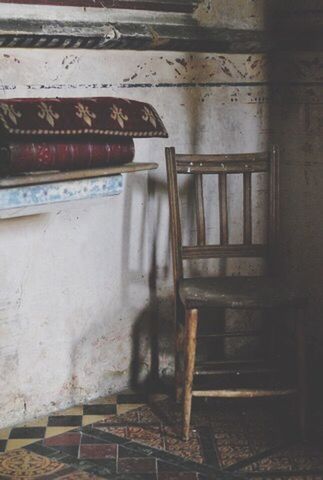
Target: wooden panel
[224, 251]
[50, 177]
[200, 214]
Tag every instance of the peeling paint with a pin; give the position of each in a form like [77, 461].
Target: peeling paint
[84, 268]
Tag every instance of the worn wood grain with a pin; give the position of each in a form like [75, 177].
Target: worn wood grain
[223, 209]
[244, 393]
[247, 209]
[224, 251]
[200, 213]
[229, 292]
[191, 321]
[38, 178]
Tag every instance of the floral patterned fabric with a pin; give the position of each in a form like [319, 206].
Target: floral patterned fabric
[79, 116]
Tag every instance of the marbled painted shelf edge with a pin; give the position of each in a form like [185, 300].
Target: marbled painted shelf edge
[38, 195]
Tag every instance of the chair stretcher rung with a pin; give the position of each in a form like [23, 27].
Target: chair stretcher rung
[233, 371]
[245, 393]
[234, 363]
[231, 334]
[223, 251]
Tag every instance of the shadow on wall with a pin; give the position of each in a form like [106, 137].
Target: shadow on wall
[153, 330]
[295, 124]
[102, 350]
[144, 366]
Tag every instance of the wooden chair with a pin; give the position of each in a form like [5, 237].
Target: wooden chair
[263, 292]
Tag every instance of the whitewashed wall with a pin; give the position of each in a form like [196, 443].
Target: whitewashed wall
[80, 286]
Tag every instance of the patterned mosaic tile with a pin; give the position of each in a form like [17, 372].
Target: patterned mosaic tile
[112, 457]
[153, 426]
[251, 438]
[22, 464]
[229, 440]
[64, 421]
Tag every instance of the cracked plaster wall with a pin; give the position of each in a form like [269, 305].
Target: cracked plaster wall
[240, 14]
[82, 286]
[75, 301]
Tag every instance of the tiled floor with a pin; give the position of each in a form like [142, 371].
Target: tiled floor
[255, 439]
[126, 438]
[67, 420]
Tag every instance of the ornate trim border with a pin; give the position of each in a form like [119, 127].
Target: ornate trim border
[95, 28]
[115, 133]
[187, 6]
[142, 37]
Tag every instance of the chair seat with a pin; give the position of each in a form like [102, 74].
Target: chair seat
[237, 292]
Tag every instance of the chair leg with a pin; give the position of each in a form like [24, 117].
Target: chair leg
[301, 361]
[179, 363]
[191, 319]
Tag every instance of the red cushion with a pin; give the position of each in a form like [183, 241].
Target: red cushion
[79, 116]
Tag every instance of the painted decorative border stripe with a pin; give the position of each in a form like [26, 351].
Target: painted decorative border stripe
[154, 5]
[36, 195]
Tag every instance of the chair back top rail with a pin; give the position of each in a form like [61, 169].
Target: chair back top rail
[215, 164]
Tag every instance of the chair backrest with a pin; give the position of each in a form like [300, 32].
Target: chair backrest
[222, 165]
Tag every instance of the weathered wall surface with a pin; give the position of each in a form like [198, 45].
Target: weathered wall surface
[296, 122]
[86, 290]
[240, 14]
[83, 288]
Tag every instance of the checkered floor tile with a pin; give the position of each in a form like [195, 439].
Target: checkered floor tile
[228, 440]
[61, 422]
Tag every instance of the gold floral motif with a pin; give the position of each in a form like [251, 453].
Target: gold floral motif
[84, 113]
[9, 111]
[149, 116]
[20, 464]
[79, 475]
[46, 113]
[118, 115]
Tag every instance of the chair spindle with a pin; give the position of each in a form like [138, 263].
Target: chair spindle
[223, 205]
[247, 218]
[200, 214]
